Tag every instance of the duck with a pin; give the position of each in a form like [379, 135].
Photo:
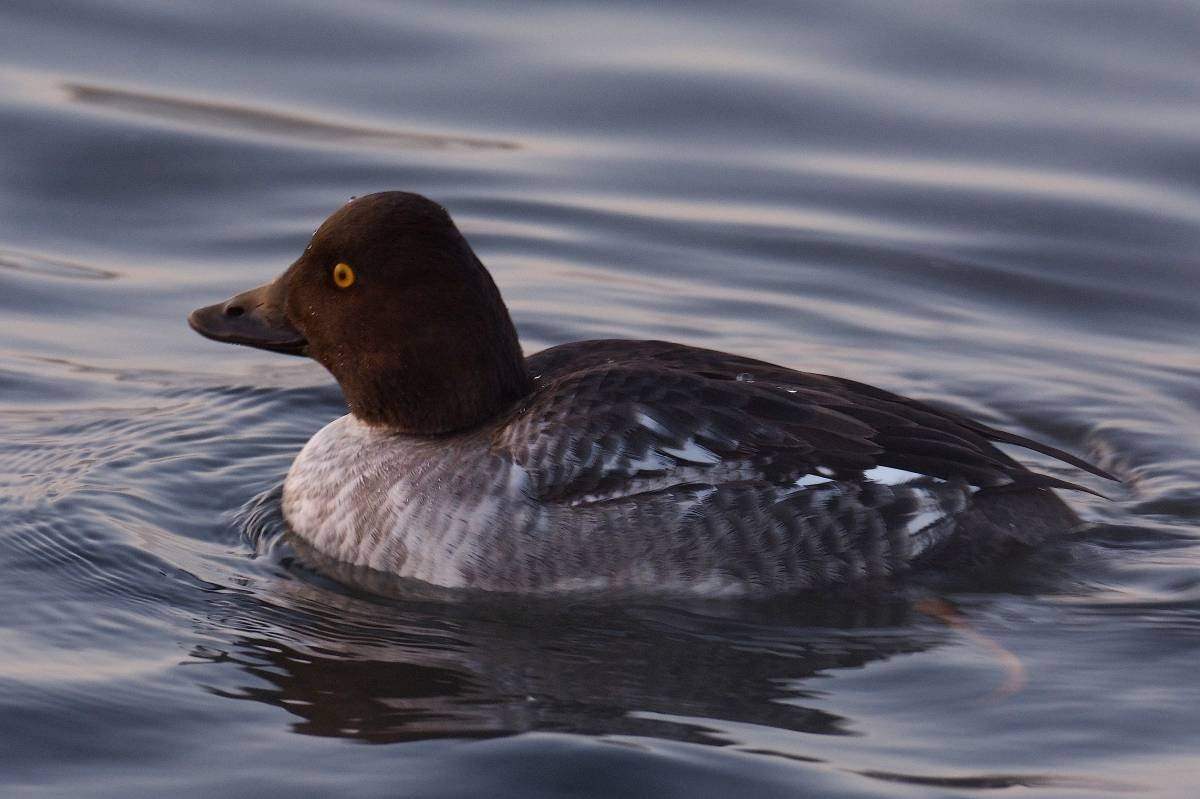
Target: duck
[615, 466]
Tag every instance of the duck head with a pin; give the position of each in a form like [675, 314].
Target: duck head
[390, 298]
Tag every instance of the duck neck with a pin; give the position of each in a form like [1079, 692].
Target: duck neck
[440, 379]
[437, 402]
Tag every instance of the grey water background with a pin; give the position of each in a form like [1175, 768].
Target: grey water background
[995, 206]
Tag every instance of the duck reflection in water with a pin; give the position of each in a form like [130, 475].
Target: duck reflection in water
[385, 669]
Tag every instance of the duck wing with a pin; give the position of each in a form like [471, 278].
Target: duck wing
[611, 418]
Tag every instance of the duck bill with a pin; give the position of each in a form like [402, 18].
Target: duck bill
[255, 318]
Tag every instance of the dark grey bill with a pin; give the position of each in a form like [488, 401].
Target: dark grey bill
[254, 318]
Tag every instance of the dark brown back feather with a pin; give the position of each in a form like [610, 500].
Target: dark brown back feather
[613, 411]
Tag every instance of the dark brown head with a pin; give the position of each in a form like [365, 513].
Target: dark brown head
[391, 299]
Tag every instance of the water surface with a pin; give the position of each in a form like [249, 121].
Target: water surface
[992, 206]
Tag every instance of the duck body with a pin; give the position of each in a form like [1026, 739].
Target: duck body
[615, 466]
[644, 466]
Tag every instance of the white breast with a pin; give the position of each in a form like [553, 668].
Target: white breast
[455, 513]
[399, 504]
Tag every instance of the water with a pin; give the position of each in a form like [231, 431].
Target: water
[995, 206]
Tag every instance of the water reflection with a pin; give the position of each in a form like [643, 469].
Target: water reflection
[375, 700]
[395, 670]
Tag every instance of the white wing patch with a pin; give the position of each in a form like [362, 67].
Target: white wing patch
[929, 511]
[690, 450]
[891, 477]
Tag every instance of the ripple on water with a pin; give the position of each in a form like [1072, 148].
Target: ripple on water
[191, 114]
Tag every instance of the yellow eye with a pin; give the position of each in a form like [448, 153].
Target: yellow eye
[343, 276]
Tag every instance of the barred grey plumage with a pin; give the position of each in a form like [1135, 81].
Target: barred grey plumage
[648, 466]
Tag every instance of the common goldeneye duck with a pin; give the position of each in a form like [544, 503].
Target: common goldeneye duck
[640, 466]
